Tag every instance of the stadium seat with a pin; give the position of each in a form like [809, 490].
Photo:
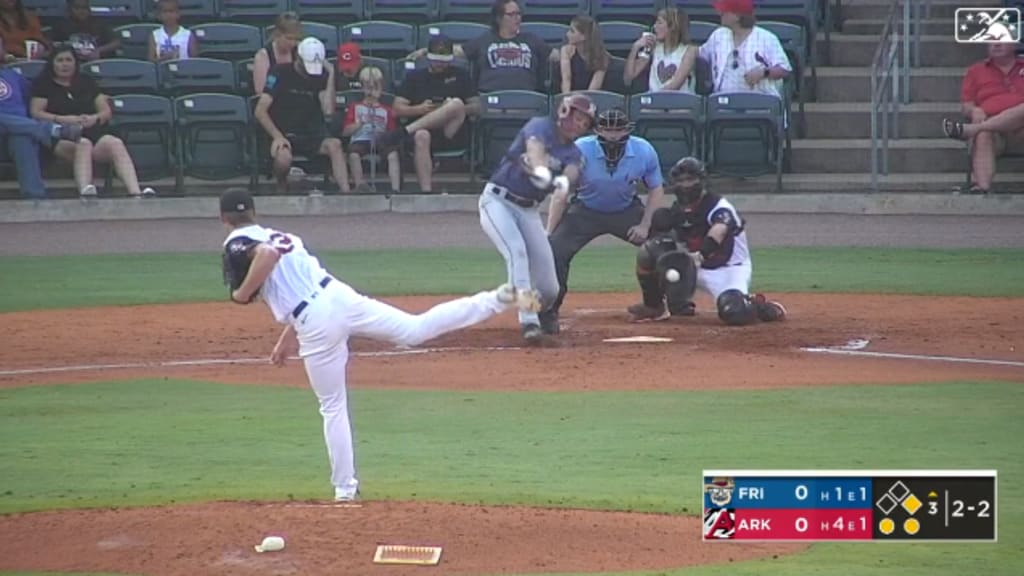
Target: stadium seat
[640, 11]
[180, 77]
[554, 10]
[117, 12]
[502, 116]
[30, 69]
[620, 35]
[331, 11]
[227, 40]
[243, 77]
[326, 33]
[146, 125]
[213, 136]
[408, 11]
[381, 38]
[469, 10]
[613, 77]
[255, 12]
[601, 98]
[671, 121]
[458, 32]
[699, 10]
[135, 40]
[551, 32]
[701, 31]
[744, 133]
[794, 41]
[123, 76]
[192, 11]
[49, 11]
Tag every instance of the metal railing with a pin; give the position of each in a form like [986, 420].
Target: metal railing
[897, 52]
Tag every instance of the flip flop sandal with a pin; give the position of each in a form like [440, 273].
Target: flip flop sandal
[953, 129]
[975, 189]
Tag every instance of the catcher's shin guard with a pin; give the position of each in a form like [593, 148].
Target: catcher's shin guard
[647, 272]
[678, 290]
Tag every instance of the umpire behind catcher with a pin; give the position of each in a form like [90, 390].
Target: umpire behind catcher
[615, 164]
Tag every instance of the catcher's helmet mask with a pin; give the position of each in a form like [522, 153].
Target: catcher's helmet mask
[689, 178]
[613, 129]
[575, 103]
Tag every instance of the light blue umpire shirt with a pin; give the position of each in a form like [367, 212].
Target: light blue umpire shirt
[609, 192]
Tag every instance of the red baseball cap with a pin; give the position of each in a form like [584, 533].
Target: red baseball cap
[350, 58]
[734, 6]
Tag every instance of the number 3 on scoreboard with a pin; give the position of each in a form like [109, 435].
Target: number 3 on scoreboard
[933, 508]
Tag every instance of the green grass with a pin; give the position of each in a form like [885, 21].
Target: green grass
[72, 281]
[163, 440]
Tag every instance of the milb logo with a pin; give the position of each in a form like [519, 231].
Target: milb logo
[720, 523]
[987, 25]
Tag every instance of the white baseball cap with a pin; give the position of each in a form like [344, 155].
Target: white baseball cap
[311, 52]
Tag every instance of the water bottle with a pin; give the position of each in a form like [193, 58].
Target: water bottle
[645, 52]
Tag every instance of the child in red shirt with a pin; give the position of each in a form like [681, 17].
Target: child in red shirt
[365, 122]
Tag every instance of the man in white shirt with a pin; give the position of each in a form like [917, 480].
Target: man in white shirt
[744, 57]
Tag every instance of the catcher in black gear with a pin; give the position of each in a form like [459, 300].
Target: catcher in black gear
[699, 242]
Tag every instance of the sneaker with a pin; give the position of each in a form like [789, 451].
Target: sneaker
[525, 300]
[148, 192]
[549, 322]
[532, 333]
[768, 310]
[88, 191]
[644, 313]
[687, 309]
[345, 495]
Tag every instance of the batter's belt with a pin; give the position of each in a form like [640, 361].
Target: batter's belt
[507, 194]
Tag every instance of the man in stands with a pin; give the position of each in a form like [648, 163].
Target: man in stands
[992, 96]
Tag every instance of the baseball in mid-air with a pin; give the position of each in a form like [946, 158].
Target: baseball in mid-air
[672, 275]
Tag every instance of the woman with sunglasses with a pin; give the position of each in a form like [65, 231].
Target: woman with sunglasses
[62, 96]
[666, 54]
[744, 57]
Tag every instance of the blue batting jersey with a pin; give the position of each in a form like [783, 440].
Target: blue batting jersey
[604, 190]
[510, 173]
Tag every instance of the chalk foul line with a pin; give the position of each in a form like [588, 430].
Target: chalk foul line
[857, 348]
[220, 361]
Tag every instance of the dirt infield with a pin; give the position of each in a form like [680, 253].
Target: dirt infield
[66, 346]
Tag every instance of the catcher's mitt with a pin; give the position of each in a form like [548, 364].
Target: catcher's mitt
[236, 260]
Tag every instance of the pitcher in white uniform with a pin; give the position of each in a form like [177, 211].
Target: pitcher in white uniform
[320, 313]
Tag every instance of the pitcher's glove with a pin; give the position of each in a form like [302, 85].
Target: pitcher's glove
[237, 258]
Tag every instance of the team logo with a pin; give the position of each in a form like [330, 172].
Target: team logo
[720, 490]
[719, 523]
[5, 89]
[987, 25]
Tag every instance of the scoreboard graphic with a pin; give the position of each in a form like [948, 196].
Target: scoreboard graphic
[849, 505]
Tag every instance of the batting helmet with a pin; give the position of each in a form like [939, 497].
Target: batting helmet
[578, 102]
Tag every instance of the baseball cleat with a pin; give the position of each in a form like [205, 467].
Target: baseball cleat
[525, 300]
[644, 313]
[687, 309]
[344, 495]
[549, 323]
[532, 333]
[768, 310]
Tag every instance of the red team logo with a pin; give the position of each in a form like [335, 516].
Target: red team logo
[720, 523]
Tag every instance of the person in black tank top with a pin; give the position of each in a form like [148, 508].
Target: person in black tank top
[285, 38]
[63, 96]
[583, 58]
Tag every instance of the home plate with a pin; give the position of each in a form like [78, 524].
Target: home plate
[638, 340]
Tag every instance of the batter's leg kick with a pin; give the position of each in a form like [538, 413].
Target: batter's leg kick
[518, 234]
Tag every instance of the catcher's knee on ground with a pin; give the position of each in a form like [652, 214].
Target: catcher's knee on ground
[735, 308]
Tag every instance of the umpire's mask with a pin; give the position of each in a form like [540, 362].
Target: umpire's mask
[613, 130]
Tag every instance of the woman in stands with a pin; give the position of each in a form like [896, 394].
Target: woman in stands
[584, 59]
[18, 26]
[667, 54]
[280, 50]
[62, 96]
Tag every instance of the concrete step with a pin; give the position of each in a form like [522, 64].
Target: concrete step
[938, 155]
[837, 84]
[838, 120]
[873, 26]
[936, 50]
[938, 183]
[879, 9]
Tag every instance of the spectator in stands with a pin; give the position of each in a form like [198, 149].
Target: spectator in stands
[293, 109]
[91, 38]
[440, 97]
[583, 59]
[61, 95]
[666, 54]
[22, 136]
[350, 62]
[171, 41]
[285, 37]
[17, 26]
[992, 96]
[743, 56]
[364, 122]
